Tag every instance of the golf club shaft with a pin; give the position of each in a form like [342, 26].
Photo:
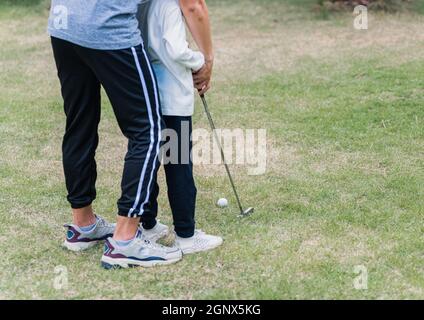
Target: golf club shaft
[212, 124]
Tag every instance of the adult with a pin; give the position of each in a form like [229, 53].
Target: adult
[97, 43]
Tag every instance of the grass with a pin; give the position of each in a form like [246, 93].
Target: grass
[344, 181]
[418, 6]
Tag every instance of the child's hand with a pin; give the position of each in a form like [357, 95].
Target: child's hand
[202, 78]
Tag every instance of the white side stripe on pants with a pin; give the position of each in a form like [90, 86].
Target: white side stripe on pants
[159, 132]
[152, 138]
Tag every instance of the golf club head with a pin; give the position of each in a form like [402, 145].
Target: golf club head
[247, 212]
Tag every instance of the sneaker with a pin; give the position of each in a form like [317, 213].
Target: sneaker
[157, 232]
[199, 242]
[78, 240]
[139, 253]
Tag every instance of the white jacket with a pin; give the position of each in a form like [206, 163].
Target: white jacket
[172, 59]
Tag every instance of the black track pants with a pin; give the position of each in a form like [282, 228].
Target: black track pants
[128, 79]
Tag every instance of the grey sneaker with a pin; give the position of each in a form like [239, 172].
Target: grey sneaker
[140, 252]
[78, 240]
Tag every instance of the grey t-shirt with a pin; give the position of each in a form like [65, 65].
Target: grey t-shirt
[96, 24]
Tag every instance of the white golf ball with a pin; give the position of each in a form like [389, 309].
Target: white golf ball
[222, 203]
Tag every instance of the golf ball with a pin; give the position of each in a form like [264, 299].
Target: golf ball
[222, 203]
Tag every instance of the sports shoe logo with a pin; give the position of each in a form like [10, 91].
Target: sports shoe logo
[107, 249]
[70, 234]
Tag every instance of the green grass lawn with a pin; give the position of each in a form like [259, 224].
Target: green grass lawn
[344, 184]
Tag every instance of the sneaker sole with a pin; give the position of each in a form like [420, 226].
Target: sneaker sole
[79, 246]
[110, 263]
[190, 251]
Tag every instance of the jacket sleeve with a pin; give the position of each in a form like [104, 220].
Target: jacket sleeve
[175, 41]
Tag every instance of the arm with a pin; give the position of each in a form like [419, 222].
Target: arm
[197, 18]
[175, 43]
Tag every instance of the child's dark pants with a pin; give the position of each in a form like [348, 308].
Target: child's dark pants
[179, 178]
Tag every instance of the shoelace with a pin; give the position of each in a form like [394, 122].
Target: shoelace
[143, 241]
[102, 223]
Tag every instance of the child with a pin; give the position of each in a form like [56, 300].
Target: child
[174, 63]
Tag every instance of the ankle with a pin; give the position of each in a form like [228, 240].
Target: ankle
[84, 217]
[126, 228]
[124, 236]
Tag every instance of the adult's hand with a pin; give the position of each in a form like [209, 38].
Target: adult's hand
[197, 17]
[202, 78]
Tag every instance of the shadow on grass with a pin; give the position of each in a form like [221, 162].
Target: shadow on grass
[418, 7]
[9, 8]
[22, 3]
[324, 9]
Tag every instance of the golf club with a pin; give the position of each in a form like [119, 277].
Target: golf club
[248, 211]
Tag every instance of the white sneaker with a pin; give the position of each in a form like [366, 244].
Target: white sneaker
[199, 242]
[159, 231]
